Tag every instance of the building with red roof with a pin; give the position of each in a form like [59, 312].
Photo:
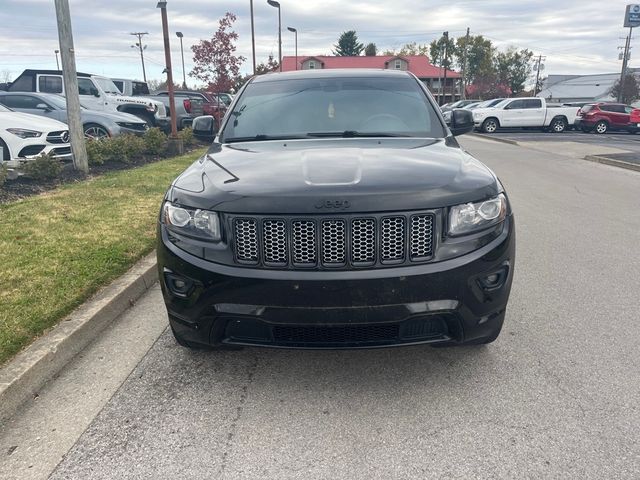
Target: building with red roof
[419, 65]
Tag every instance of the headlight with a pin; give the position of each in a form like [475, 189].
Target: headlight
[23, 133]
[470, 217]
[202, 224]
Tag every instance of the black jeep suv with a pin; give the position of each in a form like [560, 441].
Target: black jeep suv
[335, 209]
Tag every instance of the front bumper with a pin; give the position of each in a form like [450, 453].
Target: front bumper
[446, 301]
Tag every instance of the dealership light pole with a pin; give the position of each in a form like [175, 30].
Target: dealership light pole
[184, 75]
[275, 4]
[142, 49]
[57, 63]
[70, 78]
[175, 144]
[293, 30]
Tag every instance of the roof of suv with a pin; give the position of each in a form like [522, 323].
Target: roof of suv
[331, 73]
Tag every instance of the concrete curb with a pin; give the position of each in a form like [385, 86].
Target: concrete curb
[28, 372]
[614, 162]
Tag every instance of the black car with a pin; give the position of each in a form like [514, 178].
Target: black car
[335, 209]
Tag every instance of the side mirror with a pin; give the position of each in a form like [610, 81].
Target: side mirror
[95, 92]
[204, 128]
[461, 121]
[43, 106]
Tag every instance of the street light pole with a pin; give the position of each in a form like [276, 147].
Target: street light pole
[275, 4]
[293, 30]
[184, 74]
[57, 63]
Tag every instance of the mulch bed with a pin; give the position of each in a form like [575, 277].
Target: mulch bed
[23, 187]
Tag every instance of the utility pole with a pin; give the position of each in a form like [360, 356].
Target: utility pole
[140, 46]
[445, 35]
[70, 78]
[253, 38]
[625, 58]
[539, 66]
[440, 77]
[175, 144]
[464, 66]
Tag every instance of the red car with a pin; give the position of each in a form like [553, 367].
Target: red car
[634, 119]
[602, 117]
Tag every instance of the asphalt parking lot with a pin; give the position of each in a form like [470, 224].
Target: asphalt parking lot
[556, 396]
[622, 140]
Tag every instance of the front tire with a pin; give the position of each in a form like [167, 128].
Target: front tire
[490, 125]
[601, 127]
[94, 131]
[6, 155]
[558, 125]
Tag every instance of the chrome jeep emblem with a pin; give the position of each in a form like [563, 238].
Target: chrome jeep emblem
[336, 204]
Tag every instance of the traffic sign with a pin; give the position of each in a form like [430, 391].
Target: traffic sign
[632, 16]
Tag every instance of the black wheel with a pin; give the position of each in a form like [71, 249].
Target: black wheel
[490, 125]
[558, 125]
[95, 131]
[6, 155]
[601, 127]
[198, 346]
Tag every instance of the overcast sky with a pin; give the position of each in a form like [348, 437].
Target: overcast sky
[576, 36]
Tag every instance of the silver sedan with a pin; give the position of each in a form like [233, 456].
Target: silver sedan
[94, 123]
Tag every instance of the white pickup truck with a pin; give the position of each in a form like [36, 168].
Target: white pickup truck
[531, 112]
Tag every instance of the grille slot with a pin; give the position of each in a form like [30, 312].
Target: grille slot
[421, 237]
[246, 232]
[304, 242]
[333, 242]
[363, 240]
[392, 245]
[274, 233]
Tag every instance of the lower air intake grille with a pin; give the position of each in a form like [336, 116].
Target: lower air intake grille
[335, 335]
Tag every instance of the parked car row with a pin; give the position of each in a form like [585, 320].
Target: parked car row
[99, 93]
[534, 112]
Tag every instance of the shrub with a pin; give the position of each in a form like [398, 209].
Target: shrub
[155, 141]
[3, 174]
[123, 148]
[186, 134]
[95, 151]
[44, 166]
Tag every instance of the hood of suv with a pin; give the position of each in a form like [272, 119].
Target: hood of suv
[331, 175]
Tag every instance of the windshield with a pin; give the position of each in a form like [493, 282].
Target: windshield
[107, 85]
[343, 106]
[57, 101]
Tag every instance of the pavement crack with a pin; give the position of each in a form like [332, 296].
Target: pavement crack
[251, 370]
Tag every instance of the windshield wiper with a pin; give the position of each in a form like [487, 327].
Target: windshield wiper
[354, 134]
[257, 138]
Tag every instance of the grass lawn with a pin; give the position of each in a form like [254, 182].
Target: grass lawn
[58, 248]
